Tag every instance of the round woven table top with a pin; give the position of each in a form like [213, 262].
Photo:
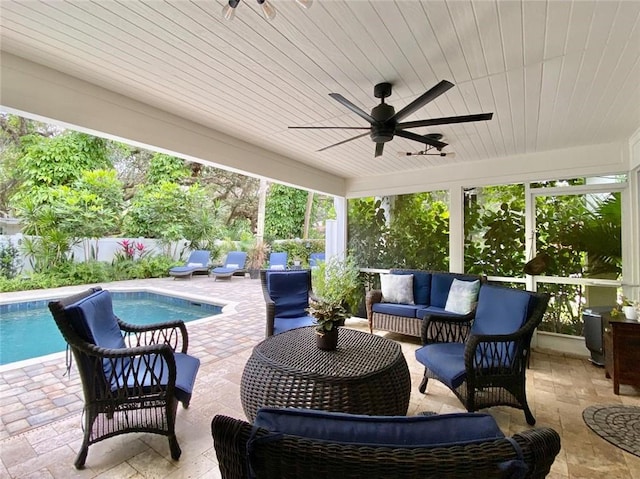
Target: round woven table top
[366, 374]
[358, 354]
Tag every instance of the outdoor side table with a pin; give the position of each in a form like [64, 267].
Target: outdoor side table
[366, 374]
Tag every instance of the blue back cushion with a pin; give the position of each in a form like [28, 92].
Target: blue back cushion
[93, 320]
[421, 285]
[278, 259]
[380, 430]
[289, 290]
[199, 256]
[236, 257]
[441, 284]
[500, 310]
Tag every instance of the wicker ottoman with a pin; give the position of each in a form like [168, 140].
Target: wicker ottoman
[367, 374]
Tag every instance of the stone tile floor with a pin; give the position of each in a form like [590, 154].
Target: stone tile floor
[40, 407]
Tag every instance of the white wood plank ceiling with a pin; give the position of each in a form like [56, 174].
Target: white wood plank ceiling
[556, 74]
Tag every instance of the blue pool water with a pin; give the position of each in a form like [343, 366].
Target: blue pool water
[27, 330]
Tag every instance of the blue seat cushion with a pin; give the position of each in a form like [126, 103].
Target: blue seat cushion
[500, 310]
[421, 284]
[421, 313]
[140, 374]
[289, 290]
[446, 362]
[404, 310]
[441, 284]
[221, 270]
[394, 431]
[280, 325]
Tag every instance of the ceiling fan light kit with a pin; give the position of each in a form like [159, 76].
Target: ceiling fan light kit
[268, 10]
[385, 123]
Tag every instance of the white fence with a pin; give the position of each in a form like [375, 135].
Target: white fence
[106, 248]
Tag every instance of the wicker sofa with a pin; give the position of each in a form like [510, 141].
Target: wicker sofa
[289, 443]
[430, 294]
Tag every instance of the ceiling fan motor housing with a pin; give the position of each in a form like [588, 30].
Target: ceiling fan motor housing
[383, 129]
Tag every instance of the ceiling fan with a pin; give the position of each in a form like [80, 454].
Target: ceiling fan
[385, 123]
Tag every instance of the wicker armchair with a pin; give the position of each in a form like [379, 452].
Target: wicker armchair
[485, 366]
[245, 451]
[286, 297]
[132, 376]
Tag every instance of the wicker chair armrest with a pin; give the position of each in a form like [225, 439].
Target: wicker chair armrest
[439, 328]
[154, 364]
[230, 437]
[540, 446]
[373, 296]
[173, 333]
[484, 351]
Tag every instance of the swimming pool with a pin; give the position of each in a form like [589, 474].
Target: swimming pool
[27, 330]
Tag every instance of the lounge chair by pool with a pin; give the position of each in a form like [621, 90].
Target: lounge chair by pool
[233, 264]
[278, 261]
[198, 262]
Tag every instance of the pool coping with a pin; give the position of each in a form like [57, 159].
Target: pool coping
[228, 309]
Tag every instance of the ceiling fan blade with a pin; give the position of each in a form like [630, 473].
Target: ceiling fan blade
[444, 121]
[357, 110]
[329, 127]
[439, 145]
[343, 141]
[423, 99]
[379, 149]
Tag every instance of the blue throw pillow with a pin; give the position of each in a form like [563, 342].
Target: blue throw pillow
[401, 431]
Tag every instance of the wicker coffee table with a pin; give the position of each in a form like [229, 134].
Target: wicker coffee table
[367, 374]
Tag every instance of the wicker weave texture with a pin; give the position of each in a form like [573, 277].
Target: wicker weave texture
[367, 374]
[295, 457]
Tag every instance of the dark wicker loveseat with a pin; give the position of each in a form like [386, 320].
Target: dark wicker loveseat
[251, 451]
[430, 291]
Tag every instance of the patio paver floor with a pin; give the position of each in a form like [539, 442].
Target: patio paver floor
[40, 407]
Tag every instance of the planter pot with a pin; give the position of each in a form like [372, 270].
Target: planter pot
[254, 273]
[327, 341]
[630, 312]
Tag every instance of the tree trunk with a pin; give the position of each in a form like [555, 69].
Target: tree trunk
[307, 215]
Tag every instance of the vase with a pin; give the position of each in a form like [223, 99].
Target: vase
[327, 341]
[630, 312]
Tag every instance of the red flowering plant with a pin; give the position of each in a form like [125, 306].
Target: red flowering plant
[131, 250]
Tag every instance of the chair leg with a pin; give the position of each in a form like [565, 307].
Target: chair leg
[423, 384]
[174, 447]
[527, 413]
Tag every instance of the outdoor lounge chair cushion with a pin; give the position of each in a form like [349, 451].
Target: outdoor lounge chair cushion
[394, 431]
[278, 261]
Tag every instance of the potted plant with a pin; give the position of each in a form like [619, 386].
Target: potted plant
[256, 258]
[626, 307]
[335, 283]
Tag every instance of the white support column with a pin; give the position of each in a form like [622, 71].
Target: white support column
[336, 231]
[456, 229]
